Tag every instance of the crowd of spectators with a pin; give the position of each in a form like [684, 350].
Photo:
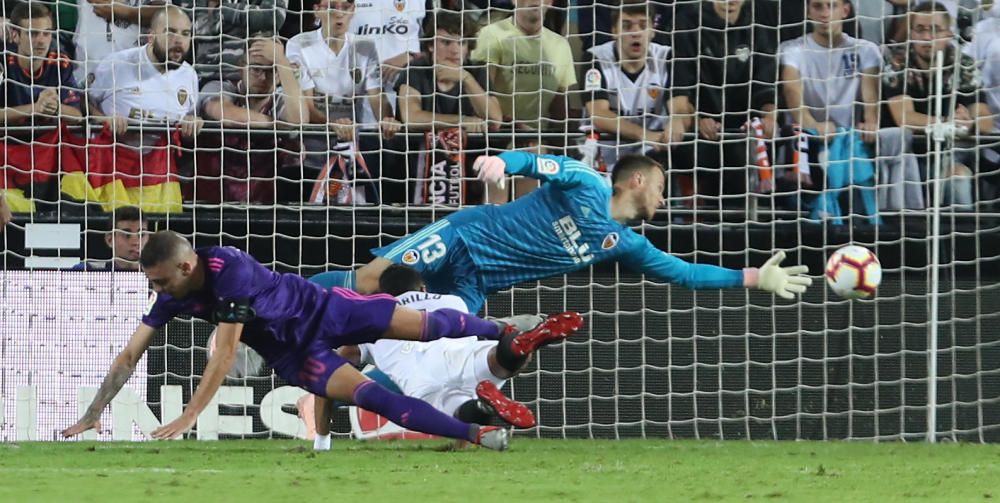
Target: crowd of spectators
[824, 104]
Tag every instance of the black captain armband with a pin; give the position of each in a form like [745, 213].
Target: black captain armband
[234, 311]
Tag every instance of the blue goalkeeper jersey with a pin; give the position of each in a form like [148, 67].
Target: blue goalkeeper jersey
[564, 226]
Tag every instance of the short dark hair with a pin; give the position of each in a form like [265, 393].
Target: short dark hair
[398, 279]
[627, 165]
[29, 10]
[162, 246]
[932, 8]
[451, 22]
[128, 214]
[630, 7]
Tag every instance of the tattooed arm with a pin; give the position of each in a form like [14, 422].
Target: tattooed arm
[118, 375]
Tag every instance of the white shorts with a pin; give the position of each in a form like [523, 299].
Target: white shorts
[447, 373]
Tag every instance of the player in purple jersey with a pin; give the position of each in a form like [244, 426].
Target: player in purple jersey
[293, 324]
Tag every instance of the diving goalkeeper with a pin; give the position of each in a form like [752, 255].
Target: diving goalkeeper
[577, 218]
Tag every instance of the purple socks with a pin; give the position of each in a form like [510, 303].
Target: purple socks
[411, 413]
[452, 324]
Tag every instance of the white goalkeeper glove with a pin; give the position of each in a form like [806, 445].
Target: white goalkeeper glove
[490, 168]
[321, 442]
[783, 281]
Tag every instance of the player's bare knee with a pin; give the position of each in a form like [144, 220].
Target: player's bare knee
[406, 324]
[343, 382]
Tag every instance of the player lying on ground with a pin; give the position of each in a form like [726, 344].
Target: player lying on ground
[460, 377]
[293, 324]
[577, 218]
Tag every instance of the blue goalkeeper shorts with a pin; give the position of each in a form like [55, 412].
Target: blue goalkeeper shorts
[443, 260]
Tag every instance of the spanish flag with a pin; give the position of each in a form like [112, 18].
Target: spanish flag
[30, 168]
[123, 176]
[93, 170]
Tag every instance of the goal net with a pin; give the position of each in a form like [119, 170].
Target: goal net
[799, 125]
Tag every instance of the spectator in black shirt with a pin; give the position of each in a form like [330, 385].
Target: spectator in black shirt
[440, 92]
[724, 73]
[908, 78]
[909, 91]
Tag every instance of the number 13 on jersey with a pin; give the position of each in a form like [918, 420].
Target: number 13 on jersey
[432, 249]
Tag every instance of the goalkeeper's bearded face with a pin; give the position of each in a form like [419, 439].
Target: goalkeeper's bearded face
[649, 189]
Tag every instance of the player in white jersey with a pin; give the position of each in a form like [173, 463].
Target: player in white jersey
[340, 71]
[103, 28]
[827, 73]
[151, 83]
[394, 25]
[461, 377]
[626, 86]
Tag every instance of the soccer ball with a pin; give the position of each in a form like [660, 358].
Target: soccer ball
[853, 272]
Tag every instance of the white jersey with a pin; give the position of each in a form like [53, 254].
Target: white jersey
[127, 84]
[831, 77]
[394, 25]
[443, 373]
[341, 80]
[96, 38]
[985, 49]
[423, 301]
[643, 100]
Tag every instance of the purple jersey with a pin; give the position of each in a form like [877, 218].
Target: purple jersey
[294, 318]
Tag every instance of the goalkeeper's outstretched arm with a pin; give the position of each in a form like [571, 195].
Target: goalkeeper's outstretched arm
[782, 281]
[121, 369]
[561, 171]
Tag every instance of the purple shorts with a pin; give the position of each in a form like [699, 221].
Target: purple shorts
[310, 371]
[350, 318]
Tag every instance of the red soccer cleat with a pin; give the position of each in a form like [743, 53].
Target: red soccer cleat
[511, 411]
[555, 328]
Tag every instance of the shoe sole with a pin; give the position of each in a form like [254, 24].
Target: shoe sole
[555, 328]
[512, 412]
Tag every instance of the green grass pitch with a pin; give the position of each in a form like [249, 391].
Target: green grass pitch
[533, 470]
